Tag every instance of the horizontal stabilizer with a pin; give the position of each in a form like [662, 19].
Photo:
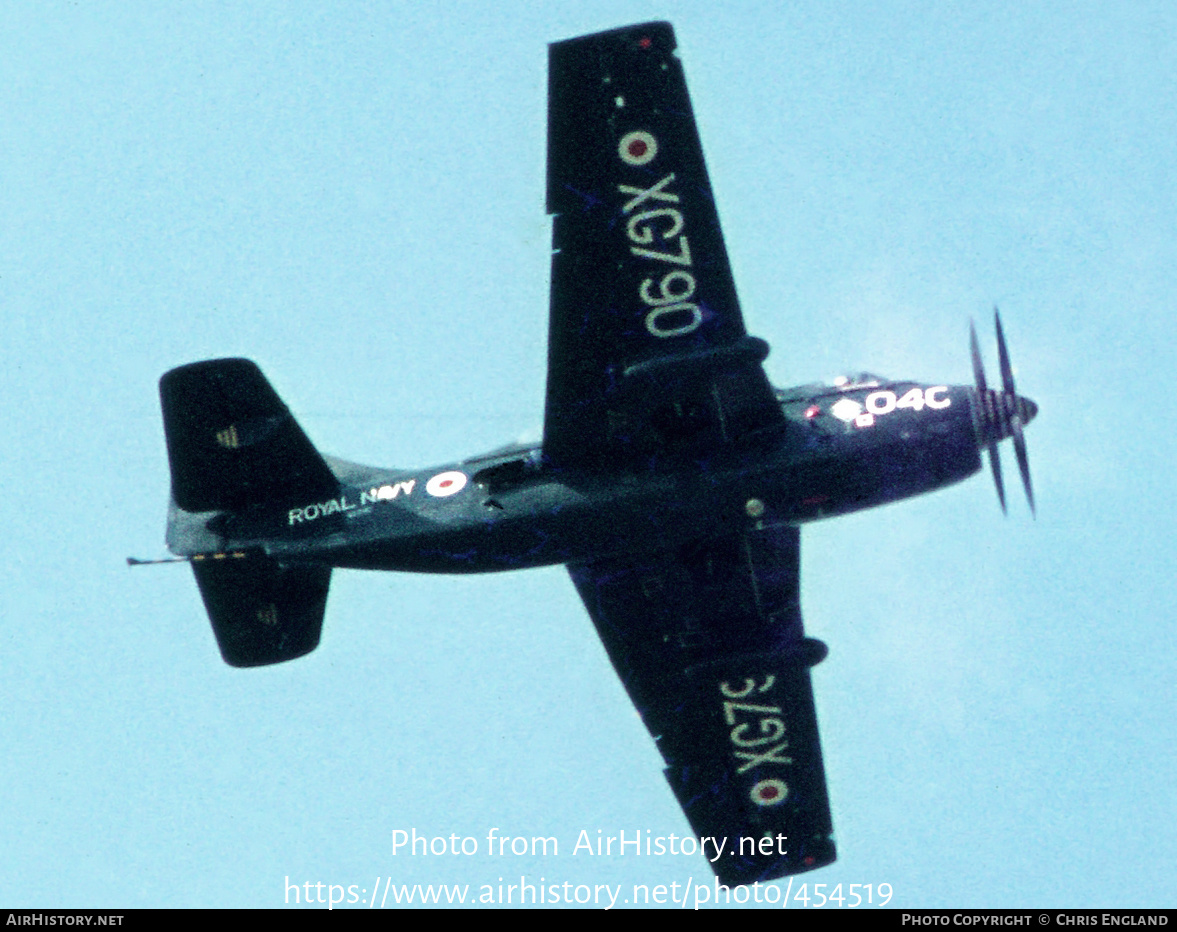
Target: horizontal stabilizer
[233, 443]
[263, 612]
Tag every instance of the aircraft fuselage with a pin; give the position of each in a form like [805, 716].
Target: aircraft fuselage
[839, 450]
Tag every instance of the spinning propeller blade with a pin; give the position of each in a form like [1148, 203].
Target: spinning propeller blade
[983, 394]
[1003, 413]
[1019, 417]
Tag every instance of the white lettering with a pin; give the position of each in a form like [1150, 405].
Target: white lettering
[333, 506]
[641, 230]
[739, 740]
[656, 193]
[654, 325]
[915, 399]
[769, 756]
[582, 841]
[388, 491]
[880, 402]
[932, 402]
[749, 685]
[682, 258]
[730, 709]
[673, 288]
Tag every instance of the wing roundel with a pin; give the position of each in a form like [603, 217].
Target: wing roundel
[708, 642]
[642, 291]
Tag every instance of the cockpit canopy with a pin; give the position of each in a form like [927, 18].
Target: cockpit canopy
[842, 383]
[859, 380]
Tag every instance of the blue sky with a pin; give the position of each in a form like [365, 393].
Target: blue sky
[353, 197]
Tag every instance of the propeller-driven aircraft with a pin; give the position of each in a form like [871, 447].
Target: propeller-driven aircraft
[672, 479]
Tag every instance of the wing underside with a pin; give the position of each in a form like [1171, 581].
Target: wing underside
[650, 366]
[648, 355]
[709, 644]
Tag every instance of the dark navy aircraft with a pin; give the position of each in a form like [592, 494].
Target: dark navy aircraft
[672, 478]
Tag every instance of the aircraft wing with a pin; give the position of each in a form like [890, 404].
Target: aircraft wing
[709, 643]
[648, 356]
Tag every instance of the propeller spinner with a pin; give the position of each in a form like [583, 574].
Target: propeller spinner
[1002, 414]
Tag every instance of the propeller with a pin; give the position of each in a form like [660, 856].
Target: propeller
[984, 396]
[1003, 413]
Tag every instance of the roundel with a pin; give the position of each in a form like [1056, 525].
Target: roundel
[637, 148]
[846, 409]
[769, 792]
[446, 483]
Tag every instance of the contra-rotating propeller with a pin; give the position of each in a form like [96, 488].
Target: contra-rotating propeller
[1002, 413]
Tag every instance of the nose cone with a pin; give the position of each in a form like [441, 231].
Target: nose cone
[998, 411]
[1027, 410]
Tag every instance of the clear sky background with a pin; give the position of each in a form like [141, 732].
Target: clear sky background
[353, 196]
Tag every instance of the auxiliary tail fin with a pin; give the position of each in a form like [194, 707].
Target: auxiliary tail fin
[233, 444]
[263, 612]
